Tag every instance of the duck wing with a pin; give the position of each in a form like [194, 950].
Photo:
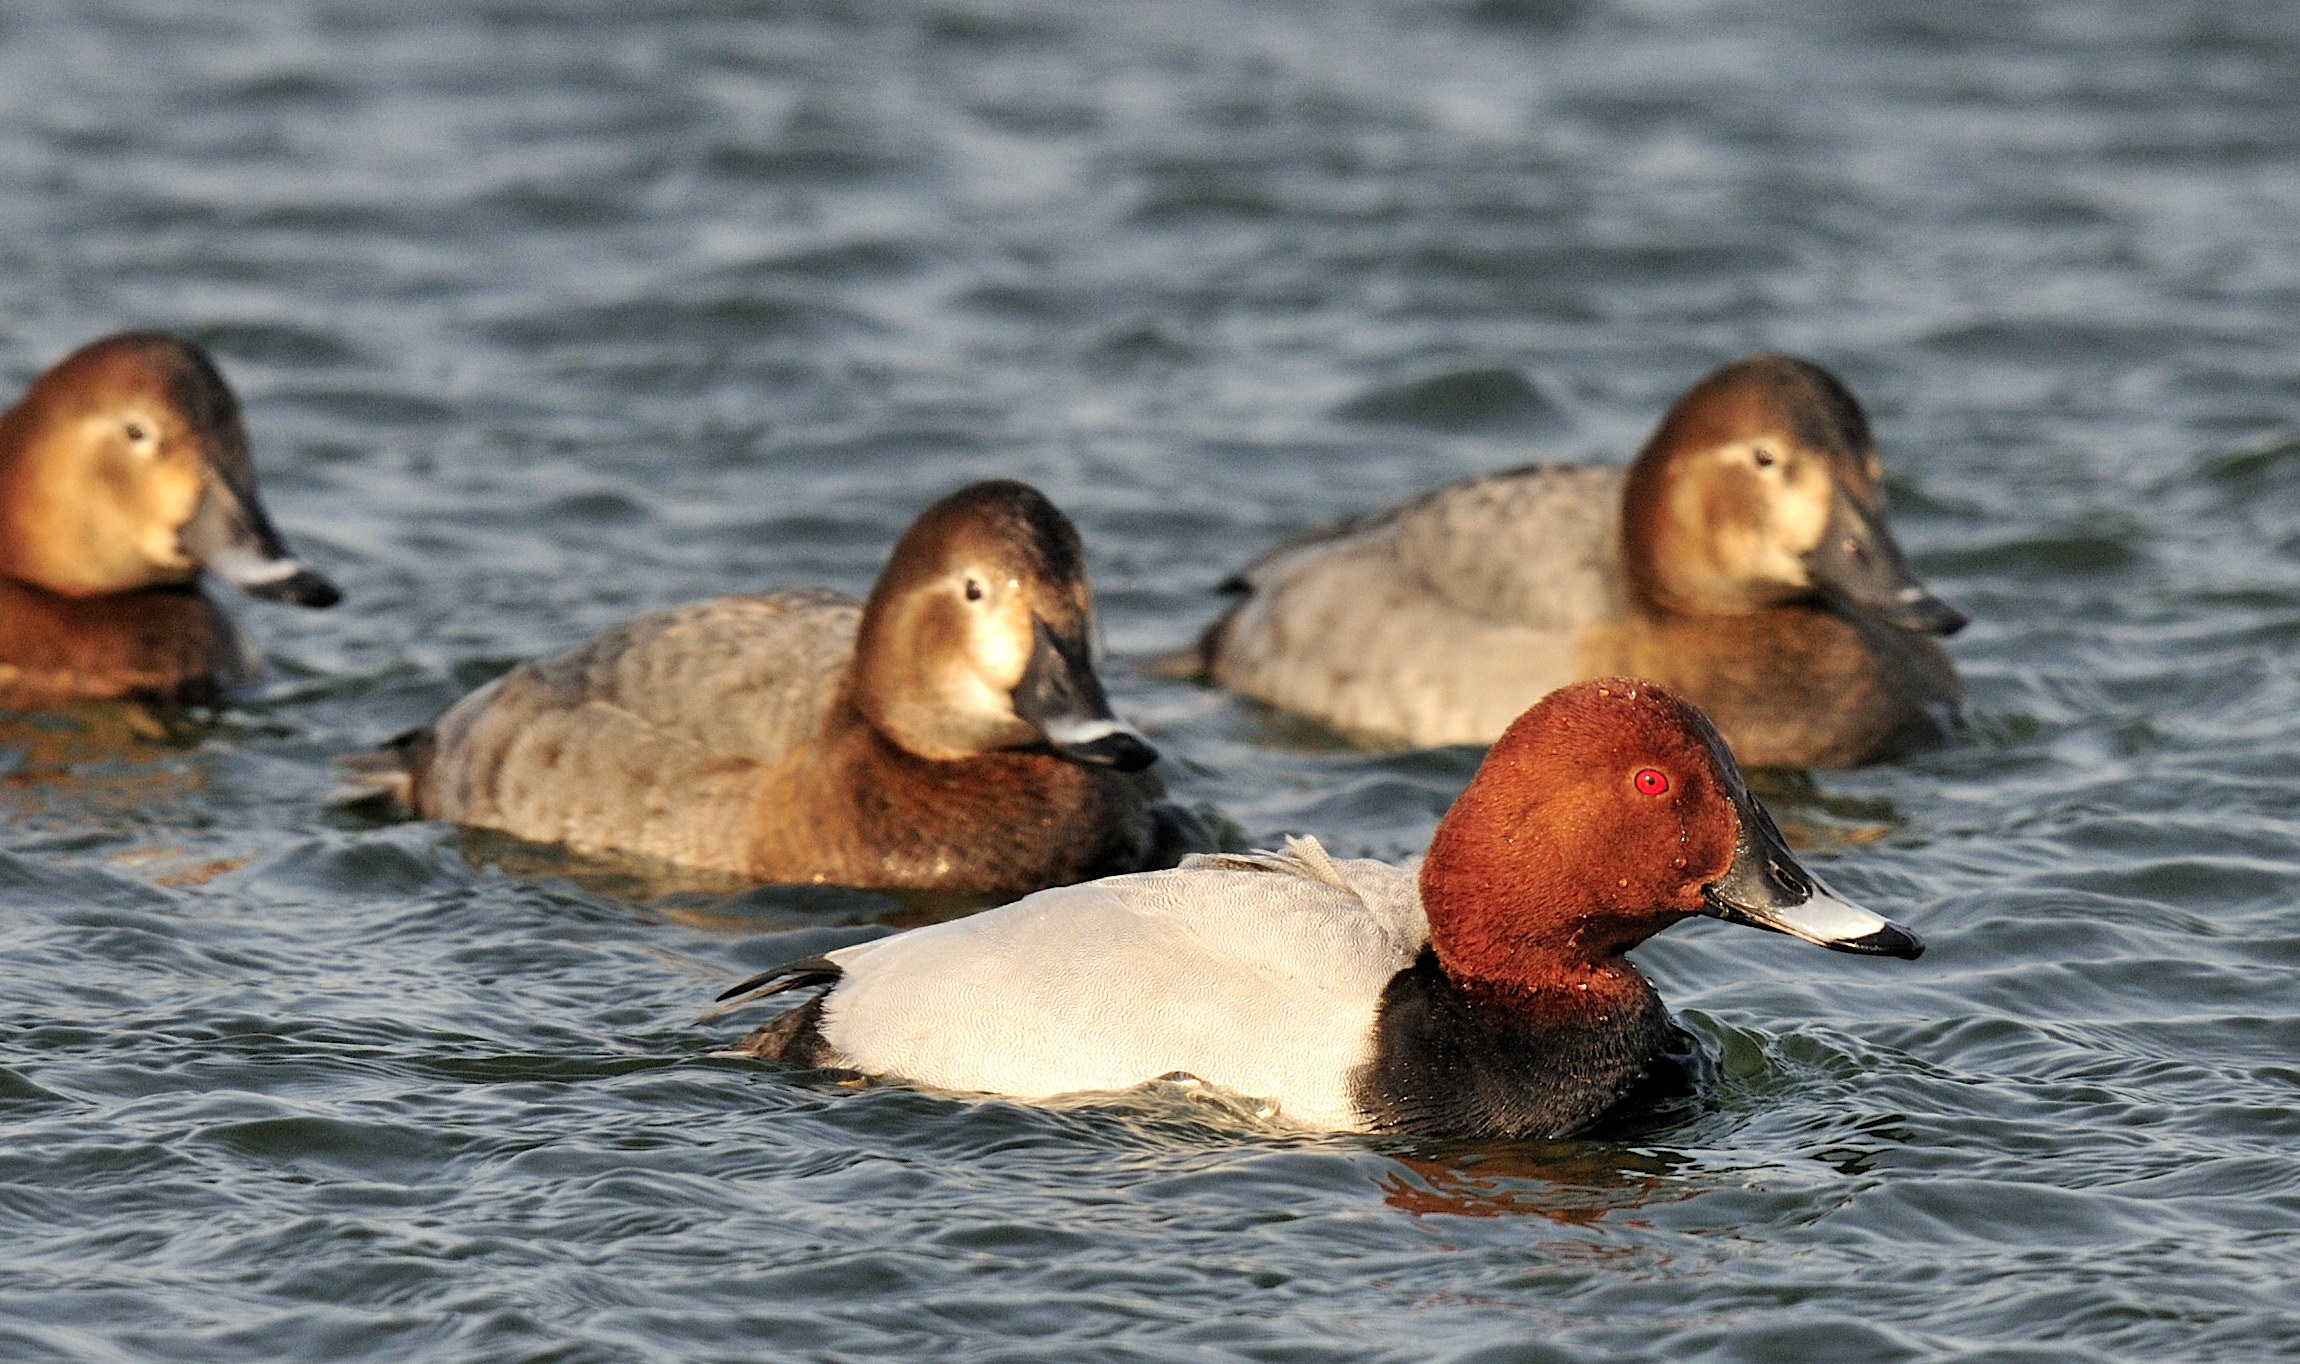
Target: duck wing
[1537, 547]
[1438, 622]
[1259, 974]
[652, 737]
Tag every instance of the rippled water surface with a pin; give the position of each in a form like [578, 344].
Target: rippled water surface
[546, 314]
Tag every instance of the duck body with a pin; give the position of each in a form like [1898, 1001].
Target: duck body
[1743, 561]
[125, 481]
[1311, 985]
[1288, 955]
[1482, 996]
[925, 739]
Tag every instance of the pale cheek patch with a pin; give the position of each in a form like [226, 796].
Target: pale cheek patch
[1792, 514]
[163, 548]
[969, 695]
[1737, 508]
[1799, 513]
[976, 678]
[94, 517]
[999, 642]
[1742, 552]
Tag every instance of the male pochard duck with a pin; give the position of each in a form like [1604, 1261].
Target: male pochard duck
[124, 474]
[1487, 997]
[1742, 559]
[948, 733]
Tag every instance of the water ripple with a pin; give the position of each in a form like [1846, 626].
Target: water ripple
[546, 312]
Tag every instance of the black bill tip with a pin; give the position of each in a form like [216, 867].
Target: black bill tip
[1927, 614]
[1890, 941]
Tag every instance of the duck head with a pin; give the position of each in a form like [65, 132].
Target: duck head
[979, 636]
[1606, 813]
[125, 467]
[1760, 487]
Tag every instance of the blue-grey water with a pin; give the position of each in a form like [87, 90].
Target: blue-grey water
[548, 313]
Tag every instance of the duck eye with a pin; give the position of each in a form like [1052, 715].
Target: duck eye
[1651, 781]
[1763, 456]
[135, 431]
[973, 589]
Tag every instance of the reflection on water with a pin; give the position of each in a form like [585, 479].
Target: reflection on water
[97, 758]
[55, 745]
[1570, 1183]
[1815, 819]
[711, 901]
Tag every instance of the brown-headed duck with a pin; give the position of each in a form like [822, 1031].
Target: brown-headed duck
[1485, 998]
[949, 733]
[124, 473]
[1742, 559]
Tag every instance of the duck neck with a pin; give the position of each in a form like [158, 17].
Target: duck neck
[969, 824]
[170, 643]
[1514, 920]
[1544, 983]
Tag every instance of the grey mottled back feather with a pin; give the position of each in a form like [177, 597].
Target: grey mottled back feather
[1440, 622]
[652, 737]
[1536, 547]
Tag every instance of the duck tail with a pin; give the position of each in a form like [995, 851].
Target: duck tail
[795, 1037]
[802, 974]
[1194, 662]
[386, 775]
[1186, 664]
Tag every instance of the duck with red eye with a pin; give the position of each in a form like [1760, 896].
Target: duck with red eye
[1486, 998]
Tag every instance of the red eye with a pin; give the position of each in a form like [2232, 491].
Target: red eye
[1652, 782]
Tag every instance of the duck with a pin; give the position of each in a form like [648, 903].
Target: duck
[125, 480]
[1743, 559]
[948, 733]
[1485, 996]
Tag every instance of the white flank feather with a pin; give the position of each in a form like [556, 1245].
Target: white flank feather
[1259, 974]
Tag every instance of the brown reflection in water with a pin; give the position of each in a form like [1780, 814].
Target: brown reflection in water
[1815, 821]
[105, 759]
[1570, 1183]
[178, 868]
[713, 901]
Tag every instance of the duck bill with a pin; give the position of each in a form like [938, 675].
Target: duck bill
[1859, 568]
[1061, 697]
[1766, 888]
[230, 536]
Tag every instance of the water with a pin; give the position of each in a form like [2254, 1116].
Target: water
[547, 314]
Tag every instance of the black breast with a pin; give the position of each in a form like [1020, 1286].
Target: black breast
[1460, 1063]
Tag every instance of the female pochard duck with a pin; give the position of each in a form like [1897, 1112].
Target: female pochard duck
[1742, 559]
[124, 474]
[1487, 997]
[949, 733]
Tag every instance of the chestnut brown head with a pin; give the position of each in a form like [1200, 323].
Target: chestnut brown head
[1606, 813]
